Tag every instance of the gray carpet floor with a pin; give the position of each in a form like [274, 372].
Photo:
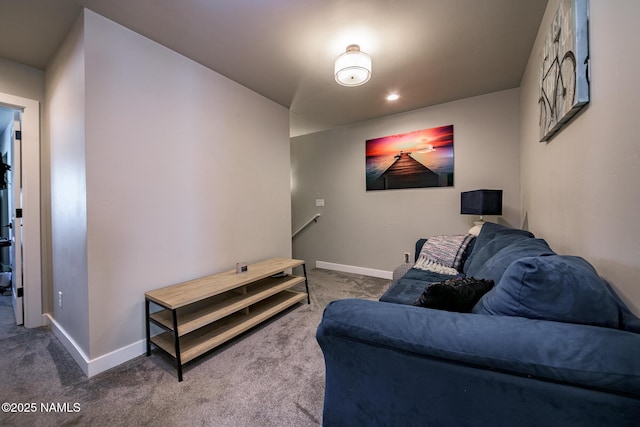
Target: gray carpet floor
[272, 375]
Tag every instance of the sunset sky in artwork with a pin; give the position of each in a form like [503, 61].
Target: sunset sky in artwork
[421, 141]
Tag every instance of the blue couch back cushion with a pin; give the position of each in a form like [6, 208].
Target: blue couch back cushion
[494, 267]
[492, 238]
[559, 288]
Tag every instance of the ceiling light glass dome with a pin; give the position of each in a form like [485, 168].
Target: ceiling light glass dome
[353, 68]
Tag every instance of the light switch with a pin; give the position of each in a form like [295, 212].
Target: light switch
[319, 202]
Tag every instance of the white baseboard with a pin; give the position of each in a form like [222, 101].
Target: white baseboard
[355, 270]
[70, 344]
[116, 357]
[92, 367]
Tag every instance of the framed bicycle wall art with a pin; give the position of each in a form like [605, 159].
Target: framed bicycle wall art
[564, 67]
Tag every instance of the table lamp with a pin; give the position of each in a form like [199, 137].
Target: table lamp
[480, 202]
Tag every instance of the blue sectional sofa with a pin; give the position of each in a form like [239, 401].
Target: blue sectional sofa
[550, 344]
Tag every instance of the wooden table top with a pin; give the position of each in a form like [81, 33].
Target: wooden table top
[181, 294]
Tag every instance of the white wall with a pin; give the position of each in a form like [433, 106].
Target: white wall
[186, 173]
[65, 119]
[21, 80]
[161, 171]
[373, 229]
[580, 190]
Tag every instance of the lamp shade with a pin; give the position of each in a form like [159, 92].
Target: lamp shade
[481, 202]
[353, 68]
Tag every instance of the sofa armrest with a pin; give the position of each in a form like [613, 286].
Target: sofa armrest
[394, 365]
[588, 356]
[401, 270]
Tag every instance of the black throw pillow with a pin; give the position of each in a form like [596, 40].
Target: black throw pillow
[459, 294]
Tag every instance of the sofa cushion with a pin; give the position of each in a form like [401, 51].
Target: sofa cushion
[558, 288]
[410, 286]
[494, 267]
[427, 276]
[459, 294]
[492, 238]
[628, 321]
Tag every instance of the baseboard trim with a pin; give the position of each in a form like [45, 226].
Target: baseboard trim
[92, 367]
[70, 344]
[355, 270]
[116, 357]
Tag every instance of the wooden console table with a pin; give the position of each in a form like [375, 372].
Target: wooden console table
[201, 314]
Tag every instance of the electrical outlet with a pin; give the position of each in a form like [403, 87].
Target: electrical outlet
[406, 257]
[60, 299]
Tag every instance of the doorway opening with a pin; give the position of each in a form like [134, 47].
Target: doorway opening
[20, 221]
[10, 203]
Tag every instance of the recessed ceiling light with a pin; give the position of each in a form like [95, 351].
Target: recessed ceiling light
[393, 97]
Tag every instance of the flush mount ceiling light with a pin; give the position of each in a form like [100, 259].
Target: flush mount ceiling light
[353, 68]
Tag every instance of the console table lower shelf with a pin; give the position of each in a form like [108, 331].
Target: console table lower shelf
[199, 315]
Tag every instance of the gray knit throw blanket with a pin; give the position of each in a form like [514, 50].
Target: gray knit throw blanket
[443, 254]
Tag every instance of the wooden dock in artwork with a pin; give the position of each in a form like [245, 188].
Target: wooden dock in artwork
[405, 172]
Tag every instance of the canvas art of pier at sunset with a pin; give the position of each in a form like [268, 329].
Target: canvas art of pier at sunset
[416, 159]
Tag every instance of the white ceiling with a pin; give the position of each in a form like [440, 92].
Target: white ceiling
[429, 51]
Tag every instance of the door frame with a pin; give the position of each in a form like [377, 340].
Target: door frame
[31, 258]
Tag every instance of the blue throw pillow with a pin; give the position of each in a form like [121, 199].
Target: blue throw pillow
[559, 288]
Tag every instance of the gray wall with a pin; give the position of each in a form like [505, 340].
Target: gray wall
[580, 190]
[186, 173]
[65, 120]
[373, 229]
